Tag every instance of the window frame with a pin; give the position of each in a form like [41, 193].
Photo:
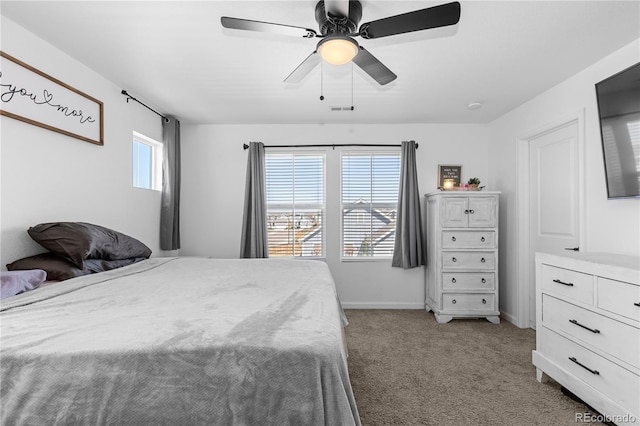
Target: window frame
[370, 152]
[155, 180]
[309, 206]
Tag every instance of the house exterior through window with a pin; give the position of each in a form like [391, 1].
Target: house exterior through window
[295, 196]
[362, 193]
[369, 202]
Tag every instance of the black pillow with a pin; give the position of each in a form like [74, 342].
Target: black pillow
[59, 269]
[78, 241]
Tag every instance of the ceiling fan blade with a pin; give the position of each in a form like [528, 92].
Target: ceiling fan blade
[337, 7]
[266, 27]
[304, 68]
[372, 66]
[424, 19]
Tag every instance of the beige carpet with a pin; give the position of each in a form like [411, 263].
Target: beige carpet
[406, 369]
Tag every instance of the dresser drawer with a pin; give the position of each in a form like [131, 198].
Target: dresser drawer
[468, 280]
[606, 334]
[619, 297]
[567, 283]
[469, 259]
[608, 378]
[468, 239]
[468, 302]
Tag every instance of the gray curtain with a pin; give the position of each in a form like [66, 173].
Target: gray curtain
[254, 222]
[408, 251]
[170, 204]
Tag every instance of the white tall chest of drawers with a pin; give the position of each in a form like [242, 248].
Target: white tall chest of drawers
[588, 329]
[462, 255]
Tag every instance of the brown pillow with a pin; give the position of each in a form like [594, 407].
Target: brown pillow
[59, 269]
[78, 241]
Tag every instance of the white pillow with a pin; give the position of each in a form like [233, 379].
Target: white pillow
[15, 282]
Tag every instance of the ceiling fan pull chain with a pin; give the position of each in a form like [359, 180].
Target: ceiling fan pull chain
[351, 86]
[321, 82]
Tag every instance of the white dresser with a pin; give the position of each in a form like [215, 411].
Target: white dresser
[462, 255]
[588, 329]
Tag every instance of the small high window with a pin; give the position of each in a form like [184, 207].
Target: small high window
[147, 162]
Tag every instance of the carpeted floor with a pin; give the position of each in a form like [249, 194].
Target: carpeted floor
[406, 369]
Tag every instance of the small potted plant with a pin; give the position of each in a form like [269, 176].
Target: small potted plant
[474, 182]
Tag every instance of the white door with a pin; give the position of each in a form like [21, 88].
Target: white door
[554, 197]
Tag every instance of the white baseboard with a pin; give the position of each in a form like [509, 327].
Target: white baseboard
[381, 305]
[510, 318]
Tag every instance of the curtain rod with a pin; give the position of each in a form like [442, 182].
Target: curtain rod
[124, 92]
[330, 145]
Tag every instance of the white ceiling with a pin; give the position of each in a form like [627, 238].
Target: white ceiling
[175, 56]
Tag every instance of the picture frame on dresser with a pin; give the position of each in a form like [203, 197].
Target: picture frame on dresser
[452, 172]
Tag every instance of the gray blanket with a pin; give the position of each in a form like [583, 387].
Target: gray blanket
[179, 341]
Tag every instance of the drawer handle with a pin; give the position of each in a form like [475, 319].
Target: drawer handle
[453, 238]
[482, 239]
[484, 301]
[454, 301]
[483, 281]
[453, 280]
[453, 259]
[637, 304]
[593, 330]
[573, 359]
[483, 260]
[563, 283]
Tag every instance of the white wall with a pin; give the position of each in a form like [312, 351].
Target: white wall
[46, 176]
[213, 181]
[610, 225]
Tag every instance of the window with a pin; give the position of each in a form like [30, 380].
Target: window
[369, 203]
[147, 162]
[295, 204]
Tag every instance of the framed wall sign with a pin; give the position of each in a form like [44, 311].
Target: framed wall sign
[29, 95]
[451, 174]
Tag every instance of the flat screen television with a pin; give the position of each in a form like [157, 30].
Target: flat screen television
[619, 111]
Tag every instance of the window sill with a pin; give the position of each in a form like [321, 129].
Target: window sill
[147, 189]
[320, 258]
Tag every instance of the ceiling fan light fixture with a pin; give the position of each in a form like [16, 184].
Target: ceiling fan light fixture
[338, 50]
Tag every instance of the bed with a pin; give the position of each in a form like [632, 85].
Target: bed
[179, 341]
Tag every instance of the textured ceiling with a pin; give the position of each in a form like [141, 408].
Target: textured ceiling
[176, 56]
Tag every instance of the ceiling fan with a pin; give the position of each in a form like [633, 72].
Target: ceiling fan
[338, 23]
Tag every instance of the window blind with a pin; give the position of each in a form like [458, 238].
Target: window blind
[369, 186]
[295, 204]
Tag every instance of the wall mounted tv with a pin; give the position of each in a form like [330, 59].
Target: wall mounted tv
[619, 111]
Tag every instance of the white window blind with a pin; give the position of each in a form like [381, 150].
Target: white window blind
[369, 203]
[295, 204]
